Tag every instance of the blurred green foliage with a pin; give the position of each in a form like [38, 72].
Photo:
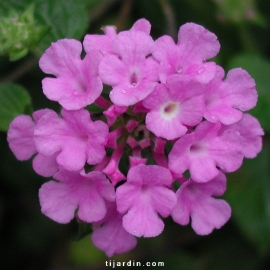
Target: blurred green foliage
[19, 33]
[29, 240]
[14, 101]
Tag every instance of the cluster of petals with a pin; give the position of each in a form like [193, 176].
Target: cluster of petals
[168, 111]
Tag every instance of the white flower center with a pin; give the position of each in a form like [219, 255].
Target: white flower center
[169, 110]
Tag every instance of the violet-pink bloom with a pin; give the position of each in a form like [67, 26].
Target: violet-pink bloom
[174, 107]
[203, 150]
[103, 42]
[100, 42]
[187, 57]
[75, 136]
[77, 83]
[196, 201]
[225, 100]
[20, 137]
[111, 237]
[20, 134]
[142, 25]
[250, 133]
[129, 71]
[144, 197]
[45, 165]
[86, 193]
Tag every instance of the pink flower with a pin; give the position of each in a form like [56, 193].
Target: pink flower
[203, 150]
[225, 100]
[77, 83]
[196, 201]
[20, 137]
[142, 25]
[103, 43]
[174, 107]
[86, 193]
[187, 57]
[129, 71]
[45, 165]
[75, 137]
[111, 237]
[250, 133]
[143, 198]
[100, 42]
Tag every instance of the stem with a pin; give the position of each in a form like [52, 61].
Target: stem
[170, 18]
[123, 14]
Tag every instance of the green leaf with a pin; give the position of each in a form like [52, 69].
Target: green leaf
[14, 101]
[248, 193]
[67, 19]
[237, 11]
[83, 252]
[19, 33]
[64, 18]
[259, 69]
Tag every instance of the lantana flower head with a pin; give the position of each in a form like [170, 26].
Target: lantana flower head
[168, 112]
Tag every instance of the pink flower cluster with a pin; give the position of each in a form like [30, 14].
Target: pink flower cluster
[169, 118]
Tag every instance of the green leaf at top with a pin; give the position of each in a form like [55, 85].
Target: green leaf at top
[259, 69]
[67, 19]
[14, 100]
[64, 18]
[237, 11]
[19, 33]
[248, 193]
